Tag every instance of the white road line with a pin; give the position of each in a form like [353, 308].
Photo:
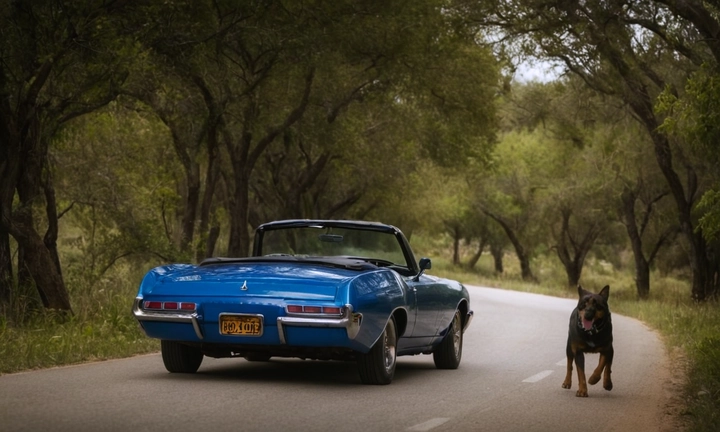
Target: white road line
[562, 362]
[430, 424]
[538, 377]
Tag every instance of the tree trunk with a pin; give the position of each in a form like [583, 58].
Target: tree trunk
[6, 271]
[476, 256]
[497, 254]
[211, 179]
[574, 260]
[642, 278]
[37, 257]
[239, 242]
[51, 235]
[642, 268]
[525, 271]
[573, 271]
[192, 200]
[524, 258]
[214, 123]
[212, 240]
[40, 264]
[457, 237]
[697, 254]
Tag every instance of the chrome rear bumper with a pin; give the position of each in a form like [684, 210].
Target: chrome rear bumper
[349, 321]
[142, 315]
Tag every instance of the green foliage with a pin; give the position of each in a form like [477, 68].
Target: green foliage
[709, 205]
[101, 328]
[704, 377]
[117, 179]
[695, 117]
[696, 113]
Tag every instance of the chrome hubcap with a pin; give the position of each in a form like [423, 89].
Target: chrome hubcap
[389, 344]
[457, 333]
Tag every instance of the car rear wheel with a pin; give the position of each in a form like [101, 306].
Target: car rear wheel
[448, 354]
[377, 367]
[179, 358]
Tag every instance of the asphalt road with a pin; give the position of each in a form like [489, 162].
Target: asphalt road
[509, 380]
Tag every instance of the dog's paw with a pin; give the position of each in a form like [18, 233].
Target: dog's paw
[607, 385]
[594, 379]
[581, 393]
[566, 385]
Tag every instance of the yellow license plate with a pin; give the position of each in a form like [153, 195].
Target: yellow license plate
[241, 325]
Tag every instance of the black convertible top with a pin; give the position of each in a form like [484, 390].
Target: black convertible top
[338, 262]
[322, 223]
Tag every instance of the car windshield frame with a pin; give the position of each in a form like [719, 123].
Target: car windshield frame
[369, 241]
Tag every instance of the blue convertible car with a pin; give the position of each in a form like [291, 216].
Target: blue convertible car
[313, 289]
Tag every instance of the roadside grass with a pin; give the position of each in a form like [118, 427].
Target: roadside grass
[102, 326]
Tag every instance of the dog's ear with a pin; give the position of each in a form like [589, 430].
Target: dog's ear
[605, 292]
[581, 292]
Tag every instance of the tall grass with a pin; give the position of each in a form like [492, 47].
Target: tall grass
[101, 326]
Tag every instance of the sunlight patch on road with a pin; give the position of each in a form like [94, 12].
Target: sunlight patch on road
[538, 377]
[430, 424]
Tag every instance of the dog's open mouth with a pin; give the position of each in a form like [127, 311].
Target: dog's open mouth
[587, 324]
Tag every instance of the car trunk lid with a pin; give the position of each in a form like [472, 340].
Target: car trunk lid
[276, 280]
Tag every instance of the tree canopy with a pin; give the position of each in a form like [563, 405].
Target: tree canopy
[167, 131]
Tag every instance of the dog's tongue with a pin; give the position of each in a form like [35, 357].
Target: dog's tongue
[587, 324]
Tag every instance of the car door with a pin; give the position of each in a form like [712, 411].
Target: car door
[429, 302]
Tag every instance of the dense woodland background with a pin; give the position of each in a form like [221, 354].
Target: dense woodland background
[143, 132]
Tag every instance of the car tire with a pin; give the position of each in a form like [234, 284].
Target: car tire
[448, 354]
[377, 367]
[180, 358]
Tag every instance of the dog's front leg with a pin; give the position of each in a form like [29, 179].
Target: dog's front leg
[582, 382]
[604, 369]
[595, 377]
[568, 375]
[607, 380]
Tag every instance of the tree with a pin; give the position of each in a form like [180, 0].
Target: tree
[59, 60]
[624, 50]
[511, 195]
[276, 66]
[122, 181]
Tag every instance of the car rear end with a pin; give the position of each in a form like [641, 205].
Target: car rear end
[231, 309]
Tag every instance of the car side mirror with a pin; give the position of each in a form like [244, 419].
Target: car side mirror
[425, 264]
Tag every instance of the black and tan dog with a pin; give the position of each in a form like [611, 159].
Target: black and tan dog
[590, 332]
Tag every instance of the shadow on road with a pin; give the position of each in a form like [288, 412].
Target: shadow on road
[307, 372]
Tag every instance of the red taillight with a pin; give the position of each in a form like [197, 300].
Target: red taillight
[152, 305]
[170, 305]
[320, 310]
[188, 306]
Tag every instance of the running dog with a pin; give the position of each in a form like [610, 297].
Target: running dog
[590, 332]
